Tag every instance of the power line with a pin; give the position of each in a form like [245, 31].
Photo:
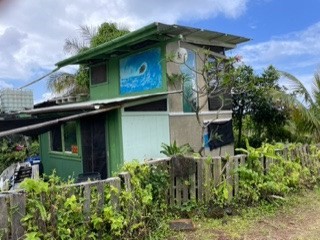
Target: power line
[39, 79]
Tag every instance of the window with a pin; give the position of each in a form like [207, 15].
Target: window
[157, 106]
[98, 73]
[190, 96]
[56, 144]
[219, 97]
[64, 138]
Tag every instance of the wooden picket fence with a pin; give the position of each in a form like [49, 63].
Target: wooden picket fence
[190, 179]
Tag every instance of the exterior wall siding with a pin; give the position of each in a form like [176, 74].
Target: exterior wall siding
[144, 134]
[184, 128]
[114, 141]
[65, 165]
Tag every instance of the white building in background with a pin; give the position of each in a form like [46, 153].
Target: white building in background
[14, 100]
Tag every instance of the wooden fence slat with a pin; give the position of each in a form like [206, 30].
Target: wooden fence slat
[200, 179]
[178, 191]
[193, 187]
[207, 173]
[4, 215]
[217, 171]
[126, 179]
[87, 200]
[242, 159]
[185, 190]
[269, 161]
[229, 168]
[18, 211]
[236, 175]
[100, 190]
[115, 182]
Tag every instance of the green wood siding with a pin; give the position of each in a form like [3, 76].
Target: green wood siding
[115, 156]
[65, 165]
[110, 89]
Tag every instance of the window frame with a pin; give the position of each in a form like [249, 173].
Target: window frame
[106, 80]
[187, 106]
[62, 140]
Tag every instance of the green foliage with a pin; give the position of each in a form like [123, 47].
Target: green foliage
[106, 33]
[72, 84]
[175, 150]
[253, 103]
[9, 153]
[282, 177]
[55, 211]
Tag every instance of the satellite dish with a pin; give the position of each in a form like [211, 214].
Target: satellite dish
[181, 55]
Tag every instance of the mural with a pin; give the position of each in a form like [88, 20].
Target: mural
[141, 72]
[190, 97]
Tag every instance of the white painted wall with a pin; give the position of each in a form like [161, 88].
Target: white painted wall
[143, 133]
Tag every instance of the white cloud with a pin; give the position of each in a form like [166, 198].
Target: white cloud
[33, 32]
[298, 49]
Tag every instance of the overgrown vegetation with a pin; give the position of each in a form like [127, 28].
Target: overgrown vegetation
[55, 211]
[12, 150]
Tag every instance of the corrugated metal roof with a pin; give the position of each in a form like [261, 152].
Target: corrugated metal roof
[151, 34]
[96, 104]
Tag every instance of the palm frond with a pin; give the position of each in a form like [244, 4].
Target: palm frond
[297, 87]
[88, 32]
[74, 45]
[61, 83]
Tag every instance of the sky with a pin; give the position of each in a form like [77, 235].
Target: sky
[283, 33]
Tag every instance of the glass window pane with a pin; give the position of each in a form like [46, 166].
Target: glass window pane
[98, 74]
[56, 144]
[70, 137]
[190, 96]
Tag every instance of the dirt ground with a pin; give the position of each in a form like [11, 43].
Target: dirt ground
[298, 221]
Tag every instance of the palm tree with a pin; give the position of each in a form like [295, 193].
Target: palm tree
[66, 84]
[305, 106]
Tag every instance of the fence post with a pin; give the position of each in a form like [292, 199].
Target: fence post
[200, 178]
[229, 177]
[236, 174]
[217, 171]
[4, 225]
[126, 180]
[115, 183]
[18, 211]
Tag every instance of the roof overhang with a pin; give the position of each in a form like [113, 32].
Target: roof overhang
[96, 104]
[35, 126]
[35, 129]
[152, 34]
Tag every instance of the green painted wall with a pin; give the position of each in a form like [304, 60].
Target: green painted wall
[115, 156]
[65, 164]
[110, 89]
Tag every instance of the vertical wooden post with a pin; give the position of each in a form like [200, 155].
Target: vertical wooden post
[18, 211]
[193, 186]
[207, 177]
[115, 183]
[87, 200]
[126, 179]
[200, 173]
[236, 174]
[217, 171]
[4, 215]
[229, 177]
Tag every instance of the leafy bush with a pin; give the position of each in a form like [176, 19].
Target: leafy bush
[175, 150]
[55, 211]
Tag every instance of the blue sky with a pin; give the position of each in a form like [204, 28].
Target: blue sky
[284, 33]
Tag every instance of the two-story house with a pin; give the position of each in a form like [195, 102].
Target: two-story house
[132, 108]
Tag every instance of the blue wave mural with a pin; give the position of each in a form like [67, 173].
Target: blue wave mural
[141, 72]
